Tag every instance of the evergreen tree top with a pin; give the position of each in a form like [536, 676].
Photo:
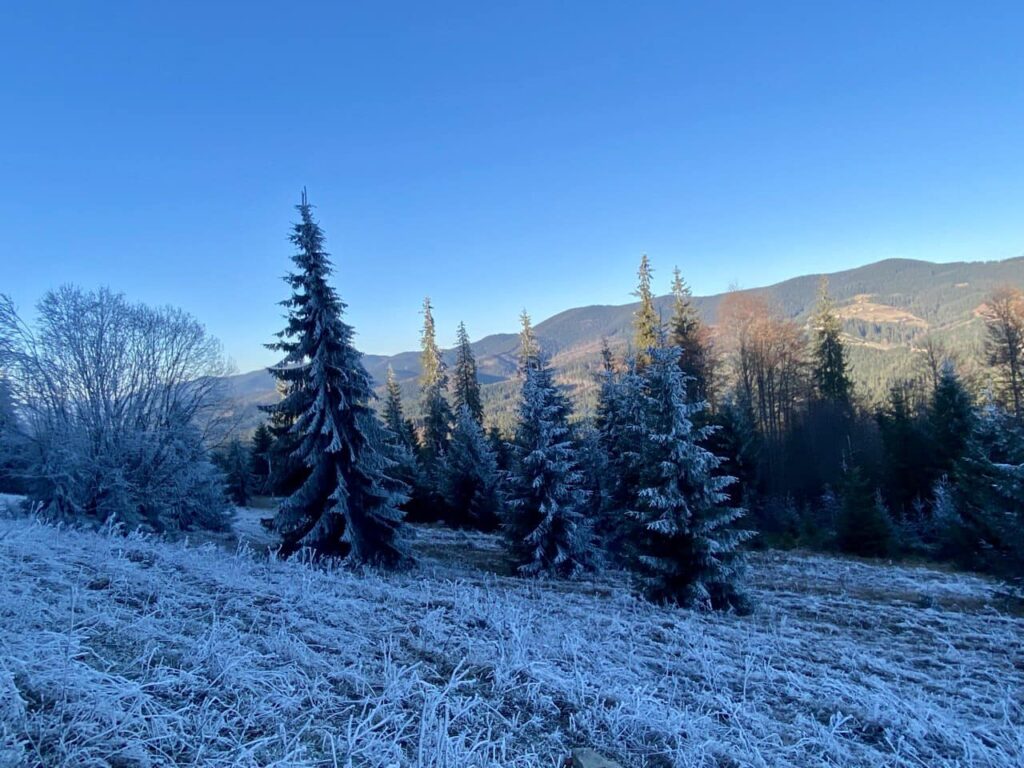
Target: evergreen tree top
[646, 321]
[529, 349]
[434, 370]
[830, 366]
[465, 384]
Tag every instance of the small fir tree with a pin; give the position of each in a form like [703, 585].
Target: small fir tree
[471, 480]
[465, 385]
[865, 527]
[347, 505]
[689, 548]
[546, 527]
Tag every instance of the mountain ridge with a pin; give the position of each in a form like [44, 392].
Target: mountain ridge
[941, 297]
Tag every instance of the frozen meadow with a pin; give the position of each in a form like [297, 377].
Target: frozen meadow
[132, 652]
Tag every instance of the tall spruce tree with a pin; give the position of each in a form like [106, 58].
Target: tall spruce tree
[471, 483]
[437, 413]
[831, 379]
[647, 331]
[465, 385]
[546, 526]
[688, 334]
[688, 550]
[347, 505]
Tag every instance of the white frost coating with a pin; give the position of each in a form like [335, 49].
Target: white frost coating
[134, 652]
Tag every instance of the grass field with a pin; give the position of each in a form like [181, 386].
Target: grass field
[132, 652]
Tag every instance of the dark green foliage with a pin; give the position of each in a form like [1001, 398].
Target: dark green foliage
[465, 386]
[687, 332]
[235, 461]
[501, 449]
[865, 527]
[394, 414]
[829, 367]
[261, 458]
[907, 465]
[346, 506]
[951, 421]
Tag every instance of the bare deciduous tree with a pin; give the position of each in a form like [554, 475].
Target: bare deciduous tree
[768, 359]
[115, 398]
[1004, 344]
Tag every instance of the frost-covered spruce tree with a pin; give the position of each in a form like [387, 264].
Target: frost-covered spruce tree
[618, 427]
[465, 385]
[689, 549]
[347, 505]
[470, 481]
[546, 525]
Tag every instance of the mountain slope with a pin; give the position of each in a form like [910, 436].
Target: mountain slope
[885, 307]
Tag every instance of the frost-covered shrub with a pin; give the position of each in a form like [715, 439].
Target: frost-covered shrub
[110, 396]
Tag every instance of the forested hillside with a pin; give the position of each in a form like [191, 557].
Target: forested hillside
[887, 309]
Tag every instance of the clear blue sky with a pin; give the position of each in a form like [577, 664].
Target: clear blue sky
[497, 155]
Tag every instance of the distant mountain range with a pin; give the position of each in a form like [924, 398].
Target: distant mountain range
[885, 307]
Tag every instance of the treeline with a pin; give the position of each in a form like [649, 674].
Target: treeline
[639, 487]
[691, 443]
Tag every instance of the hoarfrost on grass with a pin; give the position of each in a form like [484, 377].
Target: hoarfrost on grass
[130, 651]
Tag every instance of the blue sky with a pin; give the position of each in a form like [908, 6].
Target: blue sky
[497, 155]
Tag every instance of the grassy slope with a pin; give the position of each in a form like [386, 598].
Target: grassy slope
[134, 652]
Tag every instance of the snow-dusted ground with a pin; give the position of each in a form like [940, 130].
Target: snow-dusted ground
[133, 652]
